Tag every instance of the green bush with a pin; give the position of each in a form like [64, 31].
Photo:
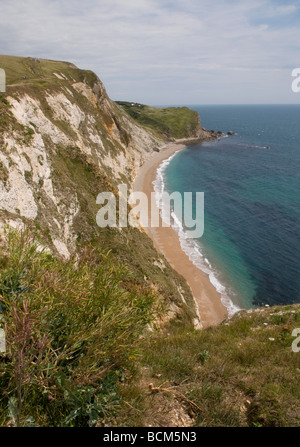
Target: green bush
[71, 332]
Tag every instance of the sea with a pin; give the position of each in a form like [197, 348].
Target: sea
[250, 247]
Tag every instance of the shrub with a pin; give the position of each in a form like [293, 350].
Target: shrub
[71, 329]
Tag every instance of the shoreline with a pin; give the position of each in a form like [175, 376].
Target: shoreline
[208, 302]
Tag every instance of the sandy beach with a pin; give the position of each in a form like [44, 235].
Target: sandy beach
[210, 308]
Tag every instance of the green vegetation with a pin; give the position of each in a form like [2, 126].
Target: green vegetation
[26, 71]
[170, 122]
[72, 333]
[31, 75]
[78, 352]
[241, 373]
[131, 247]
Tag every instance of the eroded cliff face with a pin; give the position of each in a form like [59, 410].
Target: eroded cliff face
[47, 132]
[62, 142]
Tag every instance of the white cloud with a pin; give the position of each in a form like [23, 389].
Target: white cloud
[281, 10]
[158, 51]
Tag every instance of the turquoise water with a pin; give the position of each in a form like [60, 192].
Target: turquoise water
[251, 183]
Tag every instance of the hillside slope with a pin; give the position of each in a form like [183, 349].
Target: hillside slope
[105, 326]
[63, 141]
[168, 122]
[57, 120]
[242, 373]
[52, 115]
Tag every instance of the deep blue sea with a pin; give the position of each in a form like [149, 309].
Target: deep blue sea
[251, 184]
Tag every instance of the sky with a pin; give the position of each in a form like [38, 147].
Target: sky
[164, 52]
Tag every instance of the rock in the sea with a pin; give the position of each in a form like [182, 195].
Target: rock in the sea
[230, 132]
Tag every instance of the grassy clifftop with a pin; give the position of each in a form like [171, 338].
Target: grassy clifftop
[169, 122]
[38, 72]
[242, 373]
